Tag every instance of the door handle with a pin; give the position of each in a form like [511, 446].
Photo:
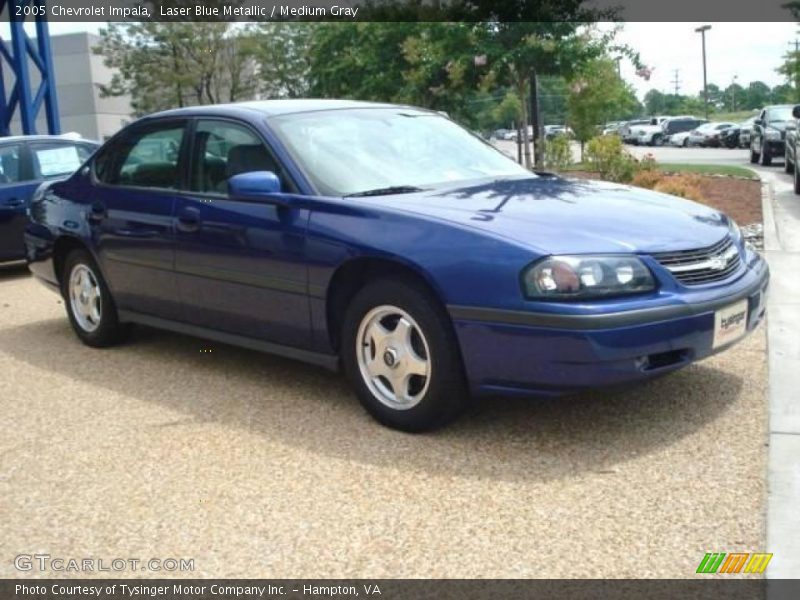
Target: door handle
[97, 212]
[14, 202]
[189, 220]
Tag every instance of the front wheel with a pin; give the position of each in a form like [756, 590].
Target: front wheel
[402, 357]
[796, 178]
[788, 166]
[766, 157]
[658, 140]
[90, 307]
[754, 156]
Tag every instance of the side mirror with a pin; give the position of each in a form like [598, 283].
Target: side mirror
[256, 186]
[796, 112]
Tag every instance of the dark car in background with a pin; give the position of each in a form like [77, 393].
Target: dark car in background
[708, 134]
[768, 136]
[790, 149]
[745, 129]
[25, 162]
[671, 126]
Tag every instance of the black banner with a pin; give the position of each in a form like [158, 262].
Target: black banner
[402, 10]
[712, 588]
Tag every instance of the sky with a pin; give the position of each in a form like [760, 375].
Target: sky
[743, 50]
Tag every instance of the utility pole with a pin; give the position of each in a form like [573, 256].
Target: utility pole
[538, 142]
[733, 91]
[702, 31]
[676, 82]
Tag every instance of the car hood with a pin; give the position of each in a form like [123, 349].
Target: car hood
[779, 125]
[555, 215]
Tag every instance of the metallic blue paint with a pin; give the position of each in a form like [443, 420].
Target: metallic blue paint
[264, 269]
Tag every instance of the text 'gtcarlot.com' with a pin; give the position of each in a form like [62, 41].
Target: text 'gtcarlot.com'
[46, 562]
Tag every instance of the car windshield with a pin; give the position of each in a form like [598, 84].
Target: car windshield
[357, 151]
[778, 114]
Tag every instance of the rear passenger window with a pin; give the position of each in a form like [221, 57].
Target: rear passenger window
[223, 149]
[146, 157]
[9, 164]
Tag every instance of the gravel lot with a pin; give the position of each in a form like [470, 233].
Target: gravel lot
[259, 466]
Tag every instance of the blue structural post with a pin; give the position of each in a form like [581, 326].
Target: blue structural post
[17, 57]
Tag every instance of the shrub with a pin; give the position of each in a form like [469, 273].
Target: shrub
[647, 178]
[685, 185]
[606, 155]
[557, 153]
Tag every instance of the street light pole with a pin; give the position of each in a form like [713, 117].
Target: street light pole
[733, 90]
[702, 31]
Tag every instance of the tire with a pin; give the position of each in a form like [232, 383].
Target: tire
[788, 166]
[766, 159]
[658, 140]
[90, 307]
[754, 156]
[686, 142]
[409, 401]
[796, 179]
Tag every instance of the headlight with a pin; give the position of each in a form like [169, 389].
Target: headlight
[773, 134]
[580, 277]
[736, 233]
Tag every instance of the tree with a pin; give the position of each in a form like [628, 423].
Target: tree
[167, 64]
[757, 95]
[596, 94]
[281, 51]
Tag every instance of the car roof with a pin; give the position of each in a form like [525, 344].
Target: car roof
[272, 108]
[46, 138]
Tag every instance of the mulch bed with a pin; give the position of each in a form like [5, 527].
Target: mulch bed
[737, 198]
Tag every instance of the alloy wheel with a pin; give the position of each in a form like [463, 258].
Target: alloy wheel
[85, 298]
[393, 357]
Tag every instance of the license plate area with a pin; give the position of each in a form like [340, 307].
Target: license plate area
[730, 323]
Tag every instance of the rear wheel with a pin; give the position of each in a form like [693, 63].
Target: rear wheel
[402, 357]
[90, 307]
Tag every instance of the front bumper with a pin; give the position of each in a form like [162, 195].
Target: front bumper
[521, 352]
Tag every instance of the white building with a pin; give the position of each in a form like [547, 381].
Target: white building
[79, 73]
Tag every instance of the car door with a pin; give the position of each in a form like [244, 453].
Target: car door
[17, 185]
[136, 179]
[240, 265]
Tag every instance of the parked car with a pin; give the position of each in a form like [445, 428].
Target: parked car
[612, 128]
[661, 128]
[729, 138]
[769, 132]
[790, 148]
[745, 128]
[680, 140]
[26, 161]
[551, 131]
[708, 134]
[390, 241]
[630, 132]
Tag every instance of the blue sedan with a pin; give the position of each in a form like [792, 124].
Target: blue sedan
[25, 162]
[390, 242]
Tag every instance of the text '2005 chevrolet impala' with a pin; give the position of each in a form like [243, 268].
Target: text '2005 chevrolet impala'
[391, 242]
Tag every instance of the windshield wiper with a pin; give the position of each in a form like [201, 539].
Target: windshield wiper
[386, 191]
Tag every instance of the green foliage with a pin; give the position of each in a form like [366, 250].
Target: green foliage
[597, 95]
[557, 153]
[280, 51]
[168, 64]
[606, 156]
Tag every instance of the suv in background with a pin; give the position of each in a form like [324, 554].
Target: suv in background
[25, 162]
[675, 125]
[768, 135]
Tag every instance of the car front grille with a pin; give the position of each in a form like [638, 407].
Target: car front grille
[703, 265]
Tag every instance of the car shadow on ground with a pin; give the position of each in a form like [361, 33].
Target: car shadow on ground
[13, 271]
[506, 439]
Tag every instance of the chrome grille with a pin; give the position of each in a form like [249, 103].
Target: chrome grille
[703, 265]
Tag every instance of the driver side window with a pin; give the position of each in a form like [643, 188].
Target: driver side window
[223, 149]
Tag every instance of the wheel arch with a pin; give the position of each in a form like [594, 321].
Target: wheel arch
[61, 249]
[355, 273]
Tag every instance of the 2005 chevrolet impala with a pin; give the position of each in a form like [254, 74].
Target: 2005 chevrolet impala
[390, 241]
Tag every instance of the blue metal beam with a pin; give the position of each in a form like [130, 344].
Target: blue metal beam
[22, 52]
